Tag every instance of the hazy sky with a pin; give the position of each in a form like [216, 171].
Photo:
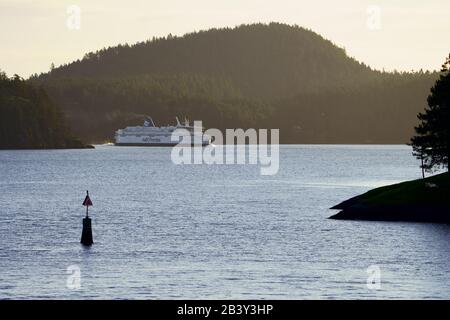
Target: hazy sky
[390, 34]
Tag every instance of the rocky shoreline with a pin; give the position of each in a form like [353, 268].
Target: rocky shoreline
[424, 200]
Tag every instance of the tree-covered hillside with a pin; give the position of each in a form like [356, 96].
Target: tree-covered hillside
[273, 76]
[29, 119]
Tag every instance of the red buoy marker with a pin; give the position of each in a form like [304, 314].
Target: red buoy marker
[86, 235]
[87, 202]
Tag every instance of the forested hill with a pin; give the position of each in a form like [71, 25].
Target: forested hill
[29, 119]
[275, 76]
[262, 61]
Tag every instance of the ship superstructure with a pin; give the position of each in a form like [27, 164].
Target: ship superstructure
[150, 135]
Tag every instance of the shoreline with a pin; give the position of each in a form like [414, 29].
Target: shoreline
[405, 213]
[423, 200]
[88, 146]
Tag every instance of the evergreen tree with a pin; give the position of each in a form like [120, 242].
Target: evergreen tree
[432, 142]
[29, 119]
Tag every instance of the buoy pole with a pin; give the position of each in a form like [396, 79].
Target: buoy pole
[86, 235]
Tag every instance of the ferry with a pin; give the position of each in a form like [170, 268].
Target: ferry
[149, 135]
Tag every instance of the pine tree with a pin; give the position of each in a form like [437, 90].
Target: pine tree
[432, 142]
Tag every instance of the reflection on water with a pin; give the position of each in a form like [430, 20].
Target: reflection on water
[198, 231]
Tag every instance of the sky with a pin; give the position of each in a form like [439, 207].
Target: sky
[399, 35]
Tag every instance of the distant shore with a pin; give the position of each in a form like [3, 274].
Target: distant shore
[87, 146]
[423, 200]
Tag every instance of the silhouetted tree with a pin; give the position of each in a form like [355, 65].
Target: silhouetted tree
[432, 142]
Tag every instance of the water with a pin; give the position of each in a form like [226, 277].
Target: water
[199, 231]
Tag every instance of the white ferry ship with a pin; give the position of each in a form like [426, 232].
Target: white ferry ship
[150, 135]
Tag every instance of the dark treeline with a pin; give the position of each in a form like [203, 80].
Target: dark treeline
[383, 111]
[29, 119]
[98, 107]
[262, 76]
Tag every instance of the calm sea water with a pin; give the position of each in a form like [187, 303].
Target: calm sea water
[199, 231]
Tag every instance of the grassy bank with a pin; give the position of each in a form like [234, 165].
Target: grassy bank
[423, 200]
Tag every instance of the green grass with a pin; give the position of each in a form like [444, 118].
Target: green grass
[411, 192]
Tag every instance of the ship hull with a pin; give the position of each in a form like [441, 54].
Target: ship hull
[120, 144]
[149, 135]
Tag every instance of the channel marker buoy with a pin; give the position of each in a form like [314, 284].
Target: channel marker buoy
[86, 235]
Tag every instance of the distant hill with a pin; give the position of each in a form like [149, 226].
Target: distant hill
[29, 119]
[272, 76]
